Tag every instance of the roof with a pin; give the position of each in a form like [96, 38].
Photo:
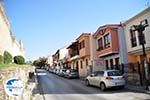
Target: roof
[139, 14]
[83, 34]
[72, 44]
[106, 26]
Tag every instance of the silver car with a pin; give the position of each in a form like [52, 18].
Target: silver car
[106, 79]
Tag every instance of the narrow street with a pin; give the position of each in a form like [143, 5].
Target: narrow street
[53, 87]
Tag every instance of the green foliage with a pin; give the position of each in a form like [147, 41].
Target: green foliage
[1, 59]
[40, 62]
[19, 60]
[7, 57]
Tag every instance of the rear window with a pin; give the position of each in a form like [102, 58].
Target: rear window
[73, 70]
[114, 73]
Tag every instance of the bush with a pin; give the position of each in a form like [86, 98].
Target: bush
[19, 60]
[7, 57]
[1, 59]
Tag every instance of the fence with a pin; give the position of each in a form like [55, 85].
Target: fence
[135, 73]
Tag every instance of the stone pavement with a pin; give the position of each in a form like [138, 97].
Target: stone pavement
[137, 88]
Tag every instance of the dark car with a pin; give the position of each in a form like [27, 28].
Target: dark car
[71, 73]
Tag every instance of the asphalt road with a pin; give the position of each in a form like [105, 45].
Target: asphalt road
[53, 87]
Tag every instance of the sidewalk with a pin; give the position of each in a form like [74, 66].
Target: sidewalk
[36, 92]
[137, 88]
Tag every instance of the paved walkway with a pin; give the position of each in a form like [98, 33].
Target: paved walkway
[137, 88]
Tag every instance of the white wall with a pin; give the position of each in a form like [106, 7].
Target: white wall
[135, 21]
[7, 41]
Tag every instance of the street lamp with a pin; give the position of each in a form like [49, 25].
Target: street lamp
[140, 28]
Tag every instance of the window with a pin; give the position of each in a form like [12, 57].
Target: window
[114, 73]
[106, 63]
[141, 38]
[117, 63]
[82, 44]
[107, 40]
[81, 65]
[86, 62]
[100, 44]
[111, 63]
[133, 38]
[100, 73]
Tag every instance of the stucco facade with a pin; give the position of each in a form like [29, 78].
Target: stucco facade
[107, 46]
[84, 53]
[135, 51]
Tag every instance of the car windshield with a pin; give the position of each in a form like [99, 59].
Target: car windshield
[114, 73]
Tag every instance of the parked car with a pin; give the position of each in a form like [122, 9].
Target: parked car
[57, 71]
[54, 71]
[71, 73]
[50, 70]
[106, 79]
[62, 72]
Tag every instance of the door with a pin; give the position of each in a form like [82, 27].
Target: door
[98, 78]
[111, 63]
[77, 67]
[92, 78]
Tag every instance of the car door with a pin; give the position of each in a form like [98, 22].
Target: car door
[98, 78]
[91, 78]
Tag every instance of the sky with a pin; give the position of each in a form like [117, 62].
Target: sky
[48, 25]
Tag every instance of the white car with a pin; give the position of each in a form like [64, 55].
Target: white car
[106, 79]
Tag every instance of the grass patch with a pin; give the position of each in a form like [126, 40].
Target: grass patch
[5, 66]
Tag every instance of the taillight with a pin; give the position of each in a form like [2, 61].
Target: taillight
[109, 78]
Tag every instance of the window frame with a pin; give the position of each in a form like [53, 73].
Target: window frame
[107, 40]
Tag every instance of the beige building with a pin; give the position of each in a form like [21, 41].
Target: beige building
[7, 41]
[84, 54]
[134, 48]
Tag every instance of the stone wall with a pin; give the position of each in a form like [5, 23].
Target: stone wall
[22, 73]
[7, 41]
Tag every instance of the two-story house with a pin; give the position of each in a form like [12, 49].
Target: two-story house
[84, 53]
[134, 47]
[73, 59]
[107, 43]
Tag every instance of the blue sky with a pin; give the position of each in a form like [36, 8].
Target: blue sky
[47, 25]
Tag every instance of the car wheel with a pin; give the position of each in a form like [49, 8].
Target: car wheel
[102, 86]
[87, 83]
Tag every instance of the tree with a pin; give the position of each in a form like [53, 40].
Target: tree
[7, 57]
[40, 62]
[19, 60]
[1, 59]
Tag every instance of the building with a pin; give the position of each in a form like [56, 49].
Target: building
[73, 58]
[107, 46]
[49, 61]
[7, 41]
[84, 61]
[63, 53]
[55, 58]
[134, 47]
